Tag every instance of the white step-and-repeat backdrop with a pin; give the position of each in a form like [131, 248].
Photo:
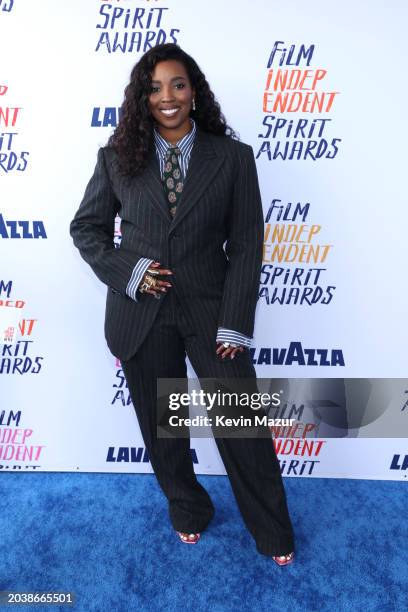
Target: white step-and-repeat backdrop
[318, 90]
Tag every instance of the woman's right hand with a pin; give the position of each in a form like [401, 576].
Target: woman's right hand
[150, 277]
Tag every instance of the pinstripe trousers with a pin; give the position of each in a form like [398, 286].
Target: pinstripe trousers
[251, 463]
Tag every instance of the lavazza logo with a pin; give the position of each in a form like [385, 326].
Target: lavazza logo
[21, 229]
[296, 354]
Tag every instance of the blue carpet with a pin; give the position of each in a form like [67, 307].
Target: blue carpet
[89, 533]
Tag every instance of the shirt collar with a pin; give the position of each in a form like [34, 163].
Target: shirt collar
[185, 144]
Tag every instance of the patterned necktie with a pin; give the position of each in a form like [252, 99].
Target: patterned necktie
[172, 178]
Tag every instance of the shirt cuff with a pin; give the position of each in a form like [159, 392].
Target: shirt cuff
[229, 335]
[137, 275]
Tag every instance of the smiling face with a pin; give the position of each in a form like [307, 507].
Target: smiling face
[170, 99]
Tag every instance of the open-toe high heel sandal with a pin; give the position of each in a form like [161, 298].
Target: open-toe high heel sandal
[284, 559]
[188, 538]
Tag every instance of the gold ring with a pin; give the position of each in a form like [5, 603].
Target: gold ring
[148, 283]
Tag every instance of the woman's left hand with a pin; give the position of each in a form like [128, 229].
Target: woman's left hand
[230, 352]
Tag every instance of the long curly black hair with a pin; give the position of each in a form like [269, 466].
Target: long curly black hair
[133, 135]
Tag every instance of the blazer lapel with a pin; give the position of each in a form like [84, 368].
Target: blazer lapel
[202, 168]
[203, 165]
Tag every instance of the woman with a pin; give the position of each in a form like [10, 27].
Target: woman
[183, 186]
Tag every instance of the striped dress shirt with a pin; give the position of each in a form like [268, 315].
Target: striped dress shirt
[185, 145]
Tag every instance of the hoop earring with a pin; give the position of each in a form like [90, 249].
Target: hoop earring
[193, 106]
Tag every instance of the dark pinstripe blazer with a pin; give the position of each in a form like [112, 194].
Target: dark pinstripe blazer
[220, 202]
